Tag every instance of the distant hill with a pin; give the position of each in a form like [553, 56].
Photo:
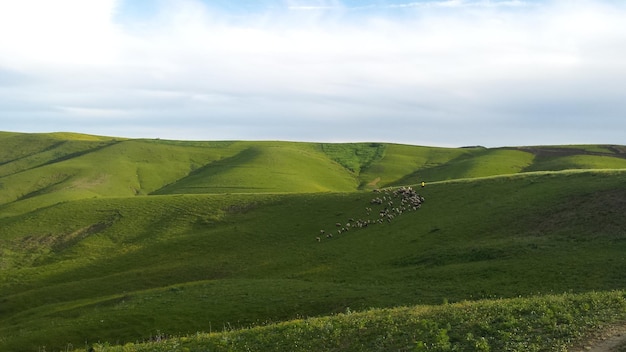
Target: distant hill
[115, 240]
[42, 169]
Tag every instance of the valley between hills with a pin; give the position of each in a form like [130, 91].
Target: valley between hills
[117, 244]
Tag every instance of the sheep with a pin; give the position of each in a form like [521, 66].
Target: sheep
[376, 201]
[407, 200]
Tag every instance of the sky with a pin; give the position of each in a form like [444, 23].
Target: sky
[445, 73]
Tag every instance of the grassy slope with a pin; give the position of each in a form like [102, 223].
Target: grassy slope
[121, 269]
[275, 167]
[125, 168]
[576, 157]
[544, 323]
[415, 164]
[38, 170]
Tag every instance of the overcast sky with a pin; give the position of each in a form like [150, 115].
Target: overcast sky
[425, 72]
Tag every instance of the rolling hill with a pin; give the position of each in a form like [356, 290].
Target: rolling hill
[110, 239]
[38, 170]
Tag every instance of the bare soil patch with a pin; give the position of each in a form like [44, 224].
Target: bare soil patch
[612, 339]
[374, 182]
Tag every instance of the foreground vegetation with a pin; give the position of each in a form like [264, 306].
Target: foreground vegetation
[116, 240]
[546, 323]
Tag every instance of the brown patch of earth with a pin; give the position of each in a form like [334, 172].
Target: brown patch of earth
[374, 182]
[612, 339]
[84, 183]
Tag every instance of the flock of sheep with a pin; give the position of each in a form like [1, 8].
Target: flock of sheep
[389, 204]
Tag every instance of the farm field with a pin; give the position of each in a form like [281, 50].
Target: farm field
[109, 241]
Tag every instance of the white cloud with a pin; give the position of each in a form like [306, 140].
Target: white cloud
[461, 4]
[62, 32]
[454, 63]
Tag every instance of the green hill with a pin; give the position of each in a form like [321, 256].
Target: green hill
[38, 170]
[262, 167]
[106, 239]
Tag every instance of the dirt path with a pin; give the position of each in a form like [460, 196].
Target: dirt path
[374, 182]
[610, 340]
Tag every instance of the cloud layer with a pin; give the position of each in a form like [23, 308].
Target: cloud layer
[449, 72]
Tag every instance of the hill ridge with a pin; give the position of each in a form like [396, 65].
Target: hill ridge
[179, 166]
[147, 236]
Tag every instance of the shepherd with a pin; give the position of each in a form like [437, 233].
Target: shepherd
[423, 184]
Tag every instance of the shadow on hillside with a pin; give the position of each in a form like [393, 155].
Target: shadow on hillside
[206, 172]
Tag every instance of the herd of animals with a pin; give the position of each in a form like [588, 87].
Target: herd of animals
[386, 206]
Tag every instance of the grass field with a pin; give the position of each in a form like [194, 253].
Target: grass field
[545, 323]
[141, 237]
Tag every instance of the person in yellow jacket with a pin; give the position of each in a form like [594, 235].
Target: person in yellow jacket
[423, 184]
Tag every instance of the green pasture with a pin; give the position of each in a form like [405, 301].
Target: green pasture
[39, 170]
[121, 269]
[268, 167]
[118, 240]
[540, 323]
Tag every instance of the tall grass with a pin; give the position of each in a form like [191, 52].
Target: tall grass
[546, 323]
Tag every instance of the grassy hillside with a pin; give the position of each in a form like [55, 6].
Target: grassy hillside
[38, 170]
[123, 269]
[110, 239]
[545, 323]
[262, 167]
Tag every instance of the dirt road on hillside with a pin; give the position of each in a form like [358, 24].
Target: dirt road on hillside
[611, 340]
